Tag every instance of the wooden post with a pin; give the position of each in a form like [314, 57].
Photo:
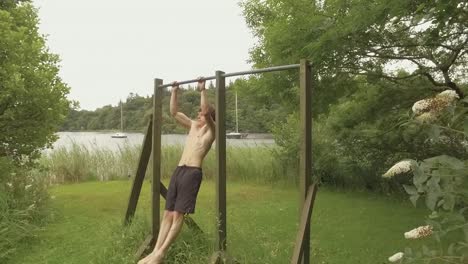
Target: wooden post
[140, 174]
[305, 164]
[220, 161]
[155, 184]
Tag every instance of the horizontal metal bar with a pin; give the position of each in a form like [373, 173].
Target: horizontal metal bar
[255, 71]
[270, 69]
[188, 81]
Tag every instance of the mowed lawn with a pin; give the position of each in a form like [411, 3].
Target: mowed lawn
[347, 227]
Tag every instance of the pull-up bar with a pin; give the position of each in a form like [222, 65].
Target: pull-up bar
[255, 71]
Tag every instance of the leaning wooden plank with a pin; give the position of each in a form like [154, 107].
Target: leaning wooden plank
[305, 221]
[216, 258]
[140, 174]
[192, 225]
[163, 190]
[221, 257]
[144, 246]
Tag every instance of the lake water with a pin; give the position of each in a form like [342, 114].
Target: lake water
[103, 140]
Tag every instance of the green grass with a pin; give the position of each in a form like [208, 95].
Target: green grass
[262, 223]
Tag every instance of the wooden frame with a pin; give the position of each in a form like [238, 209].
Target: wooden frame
[308, 191]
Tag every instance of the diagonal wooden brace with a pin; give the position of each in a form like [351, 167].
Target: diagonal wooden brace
[305, 221]
[140, 174]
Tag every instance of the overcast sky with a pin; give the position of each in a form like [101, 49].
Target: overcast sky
[110, 48]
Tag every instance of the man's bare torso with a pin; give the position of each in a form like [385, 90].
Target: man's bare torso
[197, 145]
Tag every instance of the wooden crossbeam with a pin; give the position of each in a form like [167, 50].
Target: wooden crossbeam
[305, 222]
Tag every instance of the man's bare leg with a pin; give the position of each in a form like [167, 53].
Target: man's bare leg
[166, 224]
[165, 227]
[177, 223]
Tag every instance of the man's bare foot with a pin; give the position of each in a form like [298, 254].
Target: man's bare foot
[146, 259]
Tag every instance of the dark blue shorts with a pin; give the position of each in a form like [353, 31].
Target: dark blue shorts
[183, 189]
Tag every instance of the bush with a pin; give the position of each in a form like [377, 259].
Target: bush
[441, 182]
[23, 199]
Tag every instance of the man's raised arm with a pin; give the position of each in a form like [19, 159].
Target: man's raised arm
[180, 117]
[204, 106]
[201, 88]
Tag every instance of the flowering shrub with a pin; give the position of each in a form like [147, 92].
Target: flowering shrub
[440, 181]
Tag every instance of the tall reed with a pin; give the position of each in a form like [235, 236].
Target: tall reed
[81, 163]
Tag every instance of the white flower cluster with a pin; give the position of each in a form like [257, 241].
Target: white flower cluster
[421, 106]
[396, 257]
[399, 168]
[427, 110]
[449, 95]
[420, 232]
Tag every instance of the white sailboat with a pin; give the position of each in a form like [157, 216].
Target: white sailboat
[120, 134]
[236, 135]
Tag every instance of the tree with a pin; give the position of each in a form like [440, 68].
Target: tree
[32, 106]
[358, 49]
[32, 95]
[363, 37]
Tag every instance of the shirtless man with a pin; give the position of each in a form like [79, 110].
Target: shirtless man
[187, 177]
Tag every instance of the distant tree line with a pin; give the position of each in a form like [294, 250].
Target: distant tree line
[254, 115]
